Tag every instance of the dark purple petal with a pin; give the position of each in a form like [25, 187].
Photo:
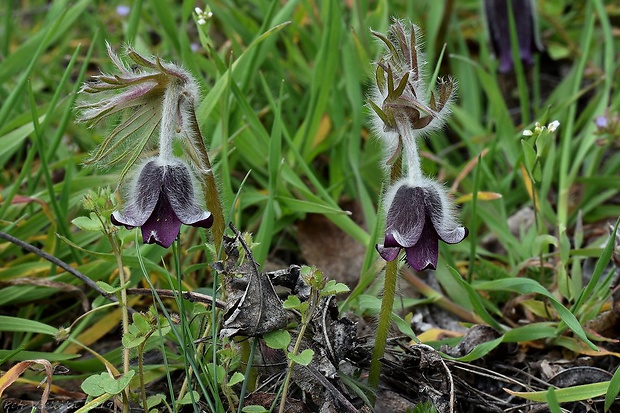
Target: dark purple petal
[180, 193]
[424, 254]
[163, 226]
[117, 222]
[387, 253]
[143, 199]
[390, 242]
[405, 217]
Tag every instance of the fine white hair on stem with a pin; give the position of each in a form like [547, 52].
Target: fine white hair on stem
[151, 95]
[403, 107]
[445, 213]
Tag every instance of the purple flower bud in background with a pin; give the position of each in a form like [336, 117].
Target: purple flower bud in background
[608, 126]
[419, 215]
[122, 10]
[601, 122]
[162, 198]
[497, 18]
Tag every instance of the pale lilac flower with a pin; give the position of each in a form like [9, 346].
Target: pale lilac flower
[609, 123]
[601, 122]
[160, 199]
[419, 215]
[122, 10]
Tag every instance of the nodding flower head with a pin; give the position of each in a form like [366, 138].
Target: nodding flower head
[497, 17]
[419, 215]
[400, 96]
[158, 99]
[140, 92]
[160, 199]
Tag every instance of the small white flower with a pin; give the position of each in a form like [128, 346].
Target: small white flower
[538, 128]
[553, 126]
[528, 132]
[203, 15]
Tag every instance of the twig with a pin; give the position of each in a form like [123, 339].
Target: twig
[436, 358]
[332, 389]
[187, 295]
[190, 296]
[31, 248]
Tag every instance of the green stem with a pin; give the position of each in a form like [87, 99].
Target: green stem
[385, 319]
[141, 374]
[248, 375]
[124, 312]
[207, 179]
[389, 290]
[569, 164]
[305, 320]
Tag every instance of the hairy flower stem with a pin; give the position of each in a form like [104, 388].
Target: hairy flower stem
[145, 406]
[124, 313]
[305, 321]
[387, 302]
[385, 318]
[207, 180]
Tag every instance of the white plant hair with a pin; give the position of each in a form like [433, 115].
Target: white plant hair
[444, 217]
[132, 191]
[405, 59]
[157, 97]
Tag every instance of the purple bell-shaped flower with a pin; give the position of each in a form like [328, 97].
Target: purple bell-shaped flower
[418, 217]
[162, 198]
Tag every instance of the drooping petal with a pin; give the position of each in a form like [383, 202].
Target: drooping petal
[423, 255]
[446, 228]
[405, 218]
[453, 236]
[143, 199]
[387, 253]
[179, 191]
[163, 226]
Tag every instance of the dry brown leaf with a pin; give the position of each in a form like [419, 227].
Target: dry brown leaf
[16, 371]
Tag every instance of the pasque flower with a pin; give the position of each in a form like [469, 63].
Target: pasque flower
[155, 97]
[162, 198]
[405, 108]
[496, 12]
[419, 211]
[418, 216]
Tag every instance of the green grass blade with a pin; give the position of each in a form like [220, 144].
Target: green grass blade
[16, 324]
